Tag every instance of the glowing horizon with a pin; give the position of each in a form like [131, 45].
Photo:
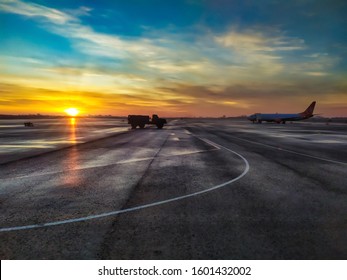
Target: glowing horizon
[73, 112]
[216, 58]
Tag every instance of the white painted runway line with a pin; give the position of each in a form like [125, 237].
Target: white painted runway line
[140, 207]
[289, 151]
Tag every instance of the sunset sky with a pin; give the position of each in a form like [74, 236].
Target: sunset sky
[173, 58]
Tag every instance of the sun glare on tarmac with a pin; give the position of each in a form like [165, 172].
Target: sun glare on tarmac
[72, 112]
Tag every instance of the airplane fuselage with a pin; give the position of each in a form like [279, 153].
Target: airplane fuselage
[278, 118]
[282, 118]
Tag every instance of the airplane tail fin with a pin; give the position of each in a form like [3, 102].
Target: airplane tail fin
[309, 111]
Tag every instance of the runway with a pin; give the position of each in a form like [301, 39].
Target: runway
[197, 189]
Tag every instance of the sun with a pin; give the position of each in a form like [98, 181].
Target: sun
[73, 112]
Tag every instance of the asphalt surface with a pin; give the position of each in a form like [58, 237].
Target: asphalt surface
[197, 189]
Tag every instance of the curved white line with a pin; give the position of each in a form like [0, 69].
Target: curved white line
[112, 213]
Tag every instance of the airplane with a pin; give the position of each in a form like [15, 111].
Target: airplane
[282, 118]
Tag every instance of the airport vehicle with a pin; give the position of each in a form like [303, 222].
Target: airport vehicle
[28, 124]
[282, 118]
[141, 121]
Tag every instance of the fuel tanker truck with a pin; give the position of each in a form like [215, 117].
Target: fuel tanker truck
[141, 121]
